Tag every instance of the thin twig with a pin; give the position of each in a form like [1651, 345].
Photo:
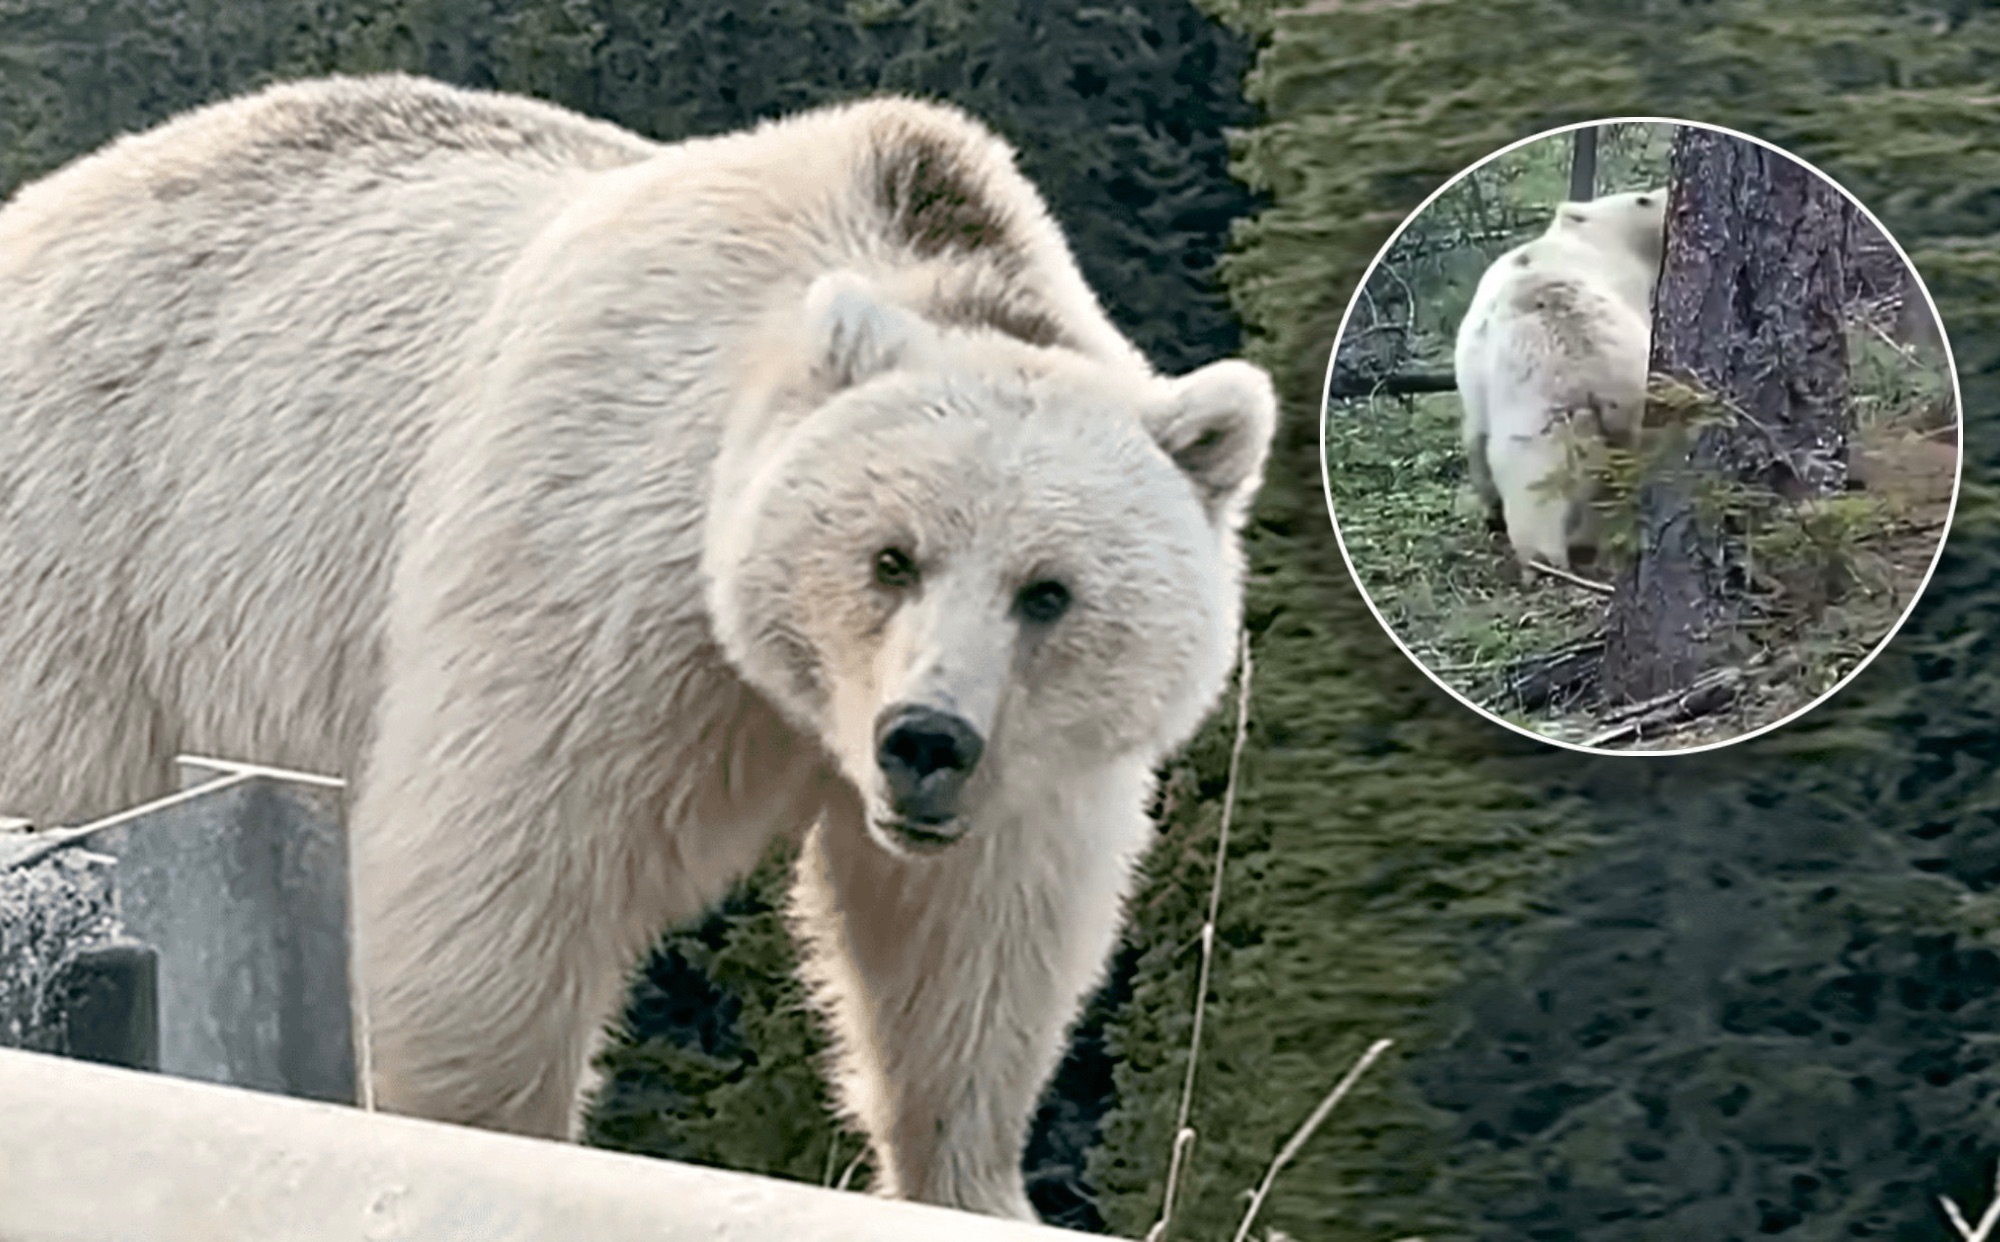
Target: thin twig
[1913, 528]
[1983, 1232]
[1298, 1140]
[1183, 1133]
[1906, 351]
[847, 1174]
[1465, 666]
[1588, 584]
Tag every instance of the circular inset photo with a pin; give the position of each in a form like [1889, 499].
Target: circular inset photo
[1641, 436]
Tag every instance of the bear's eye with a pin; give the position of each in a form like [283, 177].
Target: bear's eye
[1645, 200]
[895, 568]
[1042, 602]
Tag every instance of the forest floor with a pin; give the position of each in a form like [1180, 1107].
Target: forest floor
[1830, 586]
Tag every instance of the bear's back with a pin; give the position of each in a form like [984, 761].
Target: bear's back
[1564, 258]
[228, 338]
[329, 128]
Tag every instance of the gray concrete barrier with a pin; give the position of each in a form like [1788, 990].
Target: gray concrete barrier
[90, 1153]
[204, 934]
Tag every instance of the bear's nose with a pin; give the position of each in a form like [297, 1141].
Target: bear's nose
[926, 756]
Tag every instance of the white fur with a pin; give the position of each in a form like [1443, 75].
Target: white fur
[1551, 364]
[529, 474]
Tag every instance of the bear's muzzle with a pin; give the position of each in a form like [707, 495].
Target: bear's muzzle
[926, 756]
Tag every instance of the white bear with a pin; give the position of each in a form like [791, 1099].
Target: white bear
[604, 511]
[1551, 365]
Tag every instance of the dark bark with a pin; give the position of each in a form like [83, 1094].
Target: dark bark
[1874, 269]
[1347, 384]
[1880, 283]
[1749, 313]
[1914, 323]
[1583, 164]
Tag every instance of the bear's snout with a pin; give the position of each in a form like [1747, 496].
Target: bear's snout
[925, 756]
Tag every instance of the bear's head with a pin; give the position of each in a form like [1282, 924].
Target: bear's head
[974, 567]
[1633, 223]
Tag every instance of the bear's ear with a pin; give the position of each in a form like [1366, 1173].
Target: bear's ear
[853, 333]
[1216, 425]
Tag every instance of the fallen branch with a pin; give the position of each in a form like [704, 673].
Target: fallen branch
[1710, 693]
[1588, 584]
[1566, 674]
[1344, 387]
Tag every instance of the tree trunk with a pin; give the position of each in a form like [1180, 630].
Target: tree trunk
[1583, 164]
[1748, 315]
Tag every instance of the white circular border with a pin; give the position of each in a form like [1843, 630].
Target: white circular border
[1958, 415]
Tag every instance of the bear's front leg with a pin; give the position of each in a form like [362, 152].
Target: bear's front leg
[950, 979]
[515, 855]
[490, 951]
[504, 887]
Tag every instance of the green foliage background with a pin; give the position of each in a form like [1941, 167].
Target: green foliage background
[1758, 1005]
[1728, 996]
